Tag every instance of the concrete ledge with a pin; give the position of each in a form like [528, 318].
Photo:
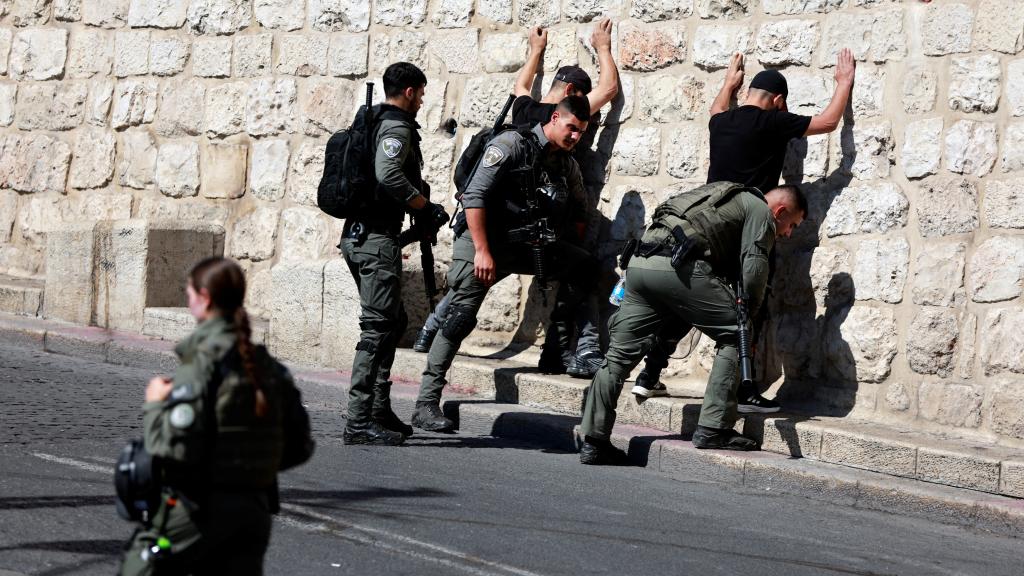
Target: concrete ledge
[21, 296]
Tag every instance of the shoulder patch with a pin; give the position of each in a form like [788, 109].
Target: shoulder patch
[182, 392]
[391, 147]
[182, 416]
[492, 156]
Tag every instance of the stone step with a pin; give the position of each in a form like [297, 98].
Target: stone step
[845, 441]
[20, 295]
[175, 323]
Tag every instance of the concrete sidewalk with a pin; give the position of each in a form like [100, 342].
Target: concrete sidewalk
[845, 462]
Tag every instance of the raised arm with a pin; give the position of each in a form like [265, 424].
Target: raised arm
[538, 40]
[733, 81]
[608, 82]
[829, 118]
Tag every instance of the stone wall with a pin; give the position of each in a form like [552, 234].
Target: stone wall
[898, 300]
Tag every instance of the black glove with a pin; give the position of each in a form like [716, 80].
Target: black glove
[431, 217]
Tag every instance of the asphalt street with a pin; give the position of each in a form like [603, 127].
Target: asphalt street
[442, 504]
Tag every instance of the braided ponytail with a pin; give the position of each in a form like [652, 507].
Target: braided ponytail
[224, 280]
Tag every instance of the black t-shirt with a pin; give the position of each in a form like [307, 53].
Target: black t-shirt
[748, 145]
[526, 110]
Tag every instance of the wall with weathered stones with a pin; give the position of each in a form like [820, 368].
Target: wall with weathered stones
[898, 300]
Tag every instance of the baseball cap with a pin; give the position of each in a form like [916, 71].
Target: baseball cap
[576, 76]
[771, 81]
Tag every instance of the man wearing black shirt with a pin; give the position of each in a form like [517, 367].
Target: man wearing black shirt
[748, 146]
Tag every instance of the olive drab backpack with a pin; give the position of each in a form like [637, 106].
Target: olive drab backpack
[347, 182]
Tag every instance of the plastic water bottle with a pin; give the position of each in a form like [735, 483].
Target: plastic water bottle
[618, 293]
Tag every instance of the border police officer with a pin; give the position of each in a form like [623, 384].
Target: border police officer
[371, 249]
[698, 244]
[515, 205]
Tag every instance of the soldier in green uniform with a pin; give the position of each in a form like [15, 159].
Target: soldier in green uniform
[374, 257]
[515, 207]
[716, 234]
[220, 431]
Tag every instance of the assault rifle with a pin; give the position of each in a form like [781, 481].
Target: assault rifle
[424, 230]
[537, 235]
[743, 320]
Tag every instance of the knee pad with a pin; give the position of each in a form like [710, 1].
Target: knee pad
[458, 323]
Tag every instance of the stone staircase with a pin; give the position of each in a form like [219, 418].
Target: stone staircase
[20, 295]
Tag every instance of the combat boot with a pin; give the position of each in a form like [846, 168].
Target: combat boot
[372, 434]
[585, 365]
[648, 384]
[601, 453]
[428, 416]
[382, 413]
[553, 360]
[424, 338]
[722, 439]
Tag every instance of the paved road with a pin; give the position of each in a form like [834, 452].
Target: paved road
[440, 505]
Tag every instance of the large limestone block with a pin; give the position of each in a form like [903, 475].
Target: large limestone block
[670, 97]
[219, 16]
[831, 279]
[881, 269]
[223, 169]
[281, 14]
[92, 164]
[1002, 340]
[1004, 203]
[225, 107]
[8, 213]
[683, 150]
[482, 96]
[399, 45]
[1013, 147]
[211, 57]
[38, 53]
[157, 13]
[867, 209]
[868, 92]
[589, 10]
[562, 48]
[341, 312]
[861, 344]
[621, 107]
[650, 47]
[135, 103]
[325, 106]
[306, 169]
[401, 12]
[271, 107]
[33, 162]
[269, 168]
[920, 85]
[131, 52]
[922, 148]
[999, 26]
[8, 97]
[181, 111]
[637, 151]
[51, 106]
[952, 404]
[6, 37]
[177, 168]
[724, 9]
[877, 36]
[348, 54]
[29, 12]
[714, 44]
[996, 269]
[939, 273]
[305, 235]
[458, 50]
[532, 13]
[968, 344]
[90, 53]
[947, 206]
[1015, 87]
[98, 205]
[497, 11]
[69, 283]
[252, 55]
[503, 52]
[1008, 408]
[40, 214]
[657, 10]
[138, 159]
[872, 154]
[168, 55]
[786, 42]
[338, 15]
[438, 161]
[809, 92]
[254, 235]
[946, 29]
[932, 340]
[101, 95]
[452, 13]
[971, 147]
[302, 54]
[297, 310]
[974, 83]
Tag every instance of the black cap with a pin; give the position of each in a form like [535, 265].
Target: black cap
[771, 81]
[576, 76]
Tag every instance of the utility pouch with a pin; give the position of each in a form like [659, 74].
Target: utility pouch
[684, 245]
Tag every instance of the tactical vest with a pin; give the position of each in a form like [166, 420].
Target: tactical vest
[383, 209]
[696, 212]
[531, 191]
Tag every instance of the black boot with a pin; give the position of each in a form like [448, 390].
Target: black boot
[428, 416]
[553, 360]
[601, 453]
[371, 433]
[722, 439]
[648, 384]
[382, 413]
[424, 338]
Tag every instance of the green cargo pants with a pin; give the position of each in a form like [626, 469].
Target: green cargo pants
[655, 294]
[376, 266]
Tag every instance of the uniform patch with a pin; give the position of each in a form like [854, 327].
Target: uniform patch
[391, 146]
[181, 392]
[182, 416]
[492, 156]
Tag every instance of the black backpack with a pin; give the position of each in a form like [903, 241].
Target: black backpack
[348, 183]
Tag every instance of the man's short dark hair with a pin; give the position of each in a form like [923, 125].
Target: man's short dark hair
[578, 106]
[402, 75]
[793, 194]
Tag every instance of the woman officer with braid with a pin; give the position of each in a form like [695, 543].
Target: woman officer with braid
[219, 432]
